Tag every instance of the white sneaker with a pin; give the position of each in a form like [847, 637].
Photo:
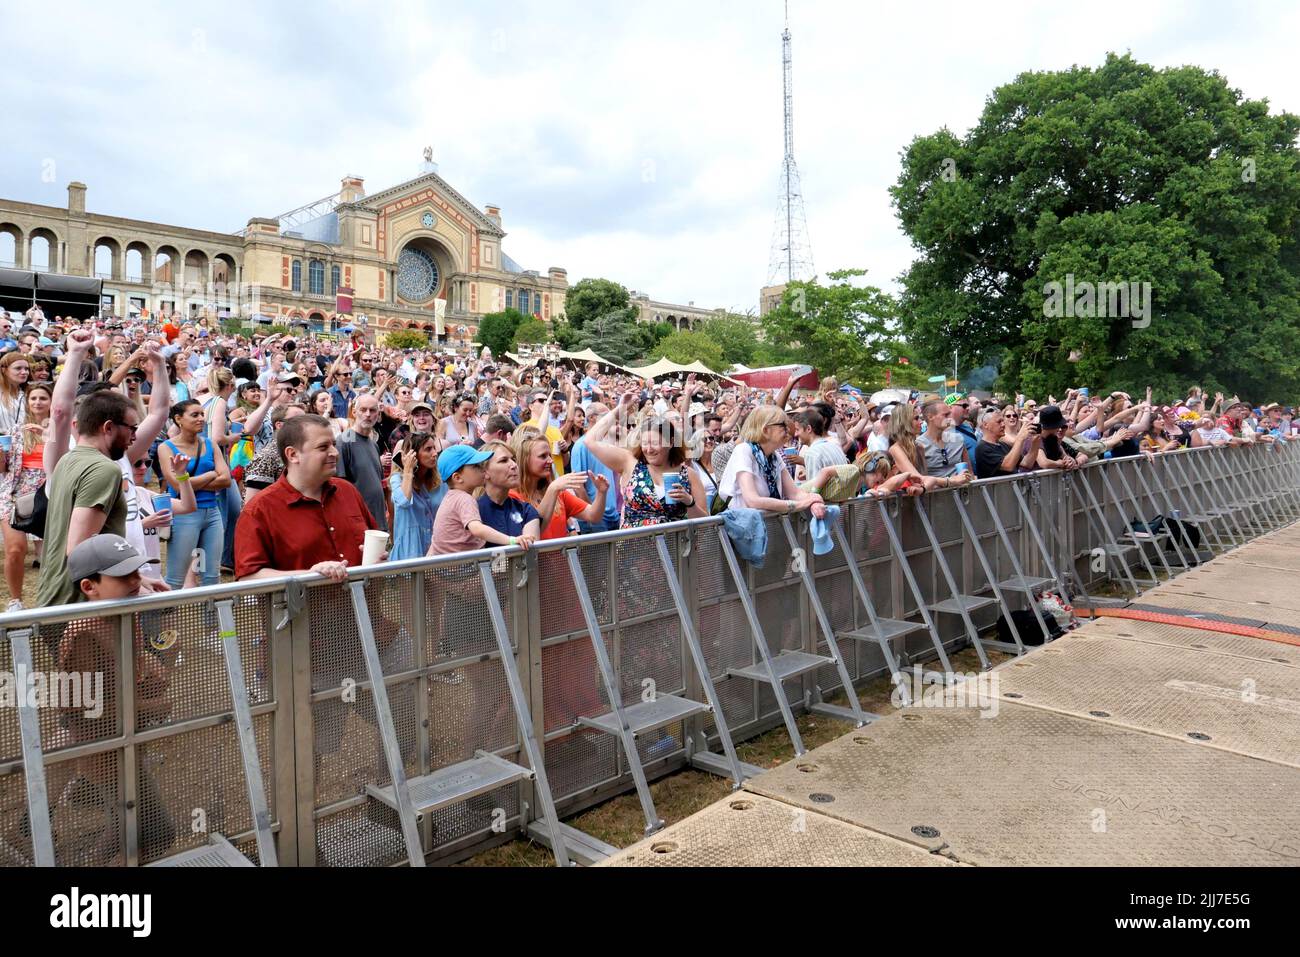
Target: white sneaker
[15, 604]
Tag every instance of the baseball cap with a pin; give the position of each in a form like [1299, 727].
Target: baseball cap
[105, 555]
[421, 405]
[288, 377]
[452, 460]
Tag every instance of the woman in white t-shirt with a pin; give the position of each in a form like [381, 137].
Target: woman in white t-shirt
[756, 477]
[142, 520]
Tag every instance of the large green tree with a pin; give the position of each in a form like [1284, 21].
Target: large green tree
[532, 332]
[685, 347]
[1122, 174]
[842, 329]
[497, 330]
[736, 335]
[616, 337]
[590, 299]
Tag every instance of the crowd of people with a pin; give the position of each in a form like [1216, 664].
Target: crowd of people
[266, 454]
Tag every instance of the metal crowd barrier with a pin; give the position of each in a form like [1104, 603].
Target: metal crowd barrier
[431, 708]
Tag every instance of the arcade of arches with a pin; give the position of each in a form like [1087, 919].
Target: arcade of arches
[415, 256]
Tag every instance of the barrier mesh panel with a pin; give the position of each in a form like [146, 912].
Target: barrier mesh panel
[190, 785]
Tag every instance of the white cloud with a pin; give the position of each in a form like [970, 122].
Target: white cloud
[640, 142]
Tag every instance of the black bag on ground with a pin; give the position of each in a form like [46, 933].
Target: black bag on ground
[1027, 625]
[1184, 533]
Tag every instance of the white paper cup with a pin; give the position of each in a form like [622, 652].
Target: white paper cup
[375, 545]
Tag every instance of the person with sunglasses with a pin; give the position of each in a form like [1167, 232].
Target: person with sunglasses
[144, 521]
[755, 476]
[996, 456]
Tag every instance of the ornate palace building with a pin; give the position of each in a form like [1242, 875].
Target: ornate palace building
[417, 255]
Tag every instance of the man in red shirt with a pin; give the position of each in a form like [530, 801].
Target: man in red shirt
[309, 520]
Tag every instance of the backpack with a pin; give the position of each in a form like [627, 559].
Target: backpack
[1027, 626]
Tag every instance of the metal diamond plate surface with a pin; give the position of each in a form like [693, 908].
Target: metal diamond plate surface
[1155, 633]
[1251, 707]
[1265, 554]
[1254, 611]
[1289, 536]
[746, 830]
[1236, 582]
[1034, 787]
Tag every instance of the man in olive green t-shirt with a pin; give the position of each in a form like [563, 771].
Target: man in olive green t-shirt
[85, 492]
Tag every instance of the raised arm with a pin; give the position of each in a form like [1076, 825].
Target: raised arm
[254, 421]
[783, 396]
[63, 402]
[159, 404]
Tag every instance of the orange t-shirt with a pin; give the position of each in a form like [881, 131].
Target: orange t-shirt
[567, 505]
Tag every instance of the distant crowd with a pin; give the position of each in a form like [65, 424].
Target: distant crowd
[153, 453]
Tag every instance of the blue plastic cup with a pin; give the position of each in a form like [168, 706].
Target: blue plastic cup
[962, 467]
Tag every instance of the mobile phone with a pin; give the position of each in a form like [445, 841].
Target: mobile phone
[801, 371]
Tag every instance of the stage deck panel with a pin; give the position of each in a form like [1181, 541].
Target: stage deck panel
[1036, 787]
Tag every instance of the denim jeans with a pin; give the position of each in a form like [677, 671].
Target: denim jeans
[200, 529]
[232, 503]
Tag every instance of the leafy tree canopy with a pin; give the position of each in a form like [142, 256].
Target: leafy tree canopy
[841, 329]
[686, 347]
[590, 299]
[406, 339]
[1160, 195]
[496, 330]
[532, 332]
[736, 336]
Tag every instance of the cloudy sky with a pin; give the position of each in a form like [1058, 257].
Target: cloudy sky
[636, 141]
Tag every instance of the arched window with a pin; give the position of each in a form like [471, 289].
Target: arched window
[297, 276]
[524, 302]
[316, 277]
[510, 298]
[334, 280]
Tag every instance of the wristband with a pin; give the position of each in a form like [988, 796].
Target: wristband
[513, 540]
[183, 477]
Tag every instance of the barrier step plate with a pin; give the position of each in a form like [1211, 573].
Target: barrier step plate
[1146, 536]
[647, 715]
[1025, 583]
[788, 664]
[1110, 548]
[218, 853]
[459, 782]
[956, 604]
[888, 628]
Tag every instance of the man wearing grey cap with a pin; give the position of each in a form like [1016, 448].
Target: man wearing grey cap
[102, 568]
[105, 567]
